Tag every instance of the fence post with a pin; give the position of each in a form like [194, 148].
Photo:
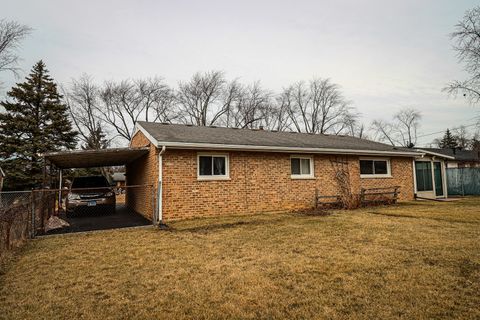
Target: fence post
[32, 196]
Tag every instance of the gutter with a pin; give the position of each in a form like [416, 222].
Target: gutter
[213, 146]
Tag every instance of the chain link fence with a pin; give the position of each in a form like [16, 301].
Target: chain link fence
[26, 214]
[15, 220]
[463, 181]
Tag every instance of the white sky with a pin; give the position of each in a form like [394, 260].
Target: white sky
[384, 54]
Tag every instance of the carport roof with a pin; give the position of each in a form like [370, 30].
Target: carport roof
[95, 158]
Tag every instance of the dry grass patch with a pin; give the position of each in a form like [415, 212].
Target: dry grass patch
[418, 260]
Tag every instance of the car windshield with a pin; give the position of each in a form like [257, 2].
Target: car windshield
[90, 182]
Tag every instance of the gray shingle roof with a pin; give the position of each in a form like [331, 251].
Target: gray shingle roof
[459, 155]
[186, 134]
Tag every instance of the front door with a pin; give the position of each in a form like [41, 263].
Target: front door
[437, 172]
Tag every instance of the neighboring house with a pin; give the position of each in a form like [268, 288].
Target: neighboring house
[2, 177]
[207, 171]
[461, 158]
[119, 179]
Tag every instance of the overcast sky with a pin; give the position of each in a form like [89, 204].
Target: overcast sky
[385, 54]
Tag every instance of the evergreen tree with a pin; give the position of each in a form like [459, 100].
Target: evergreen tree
[449, 141]
[35, 122]
[96, 140]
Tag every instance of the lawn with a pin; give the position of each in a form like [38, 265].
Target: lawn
[416, 260]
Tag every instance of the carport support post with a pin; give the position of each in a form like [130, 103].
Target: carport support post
[33, 213]
[60, 178]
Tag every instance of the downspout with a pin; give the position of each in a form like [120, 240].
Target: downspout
[160, 223]
[414, 179]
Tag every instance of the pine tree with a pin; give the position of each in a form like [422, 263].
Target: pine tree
[35, 122]
[449, 141]
[96, 140]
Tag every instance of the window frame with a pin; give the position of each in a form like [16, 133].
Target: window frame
[430, 162]
[374, 175]
[213, 177]
[300, 176]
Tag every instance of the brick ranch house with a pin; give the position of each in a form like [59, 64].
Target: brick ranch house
[207, 171]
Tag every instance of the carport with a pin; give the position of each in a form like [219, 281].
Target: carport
[125, 214]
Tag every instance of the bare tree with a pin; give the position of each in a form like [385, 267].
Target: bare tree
[275, 115]
[158, 98]
[402, 130]
[249, 107]
[475, 142]
[356, 129]
[407, 122]
[207, 98]
[11, 34]
[462, 136]
[83, 100]
[436, 143]
[467, 46]
[318, 107]
[128, 101]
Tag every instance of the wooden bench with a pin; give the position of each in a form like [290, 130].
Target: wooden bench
[367, 196]
[375, 196]
[328, 202]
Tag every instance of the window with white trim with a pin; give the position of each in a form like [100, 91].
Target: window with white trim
[374, 168]
[212, 166]
[301, 167]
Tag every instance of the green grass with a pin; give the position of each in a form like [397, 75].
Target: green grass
[417, 260]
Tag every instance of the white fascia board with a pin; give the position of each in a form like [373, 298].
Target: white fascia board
[211, 146]
[138, 128]
[436, 154]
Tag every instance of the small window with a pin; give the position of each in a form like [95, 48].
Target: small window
[212, 167]
[301, 167]
[379, 168]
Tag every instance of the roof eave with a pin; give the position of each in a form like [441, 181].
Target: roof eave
[210, 146]
[436, 154]
[139, 127]
[214, 146]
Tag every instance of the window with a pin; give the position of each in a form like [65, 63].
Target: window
[212, 167]
[374, 168]
[301, 167]
[423, 172]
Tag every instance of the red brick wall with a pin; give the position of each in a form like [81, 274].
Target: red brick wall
[260, 182]
[402, 175]
[143, 171]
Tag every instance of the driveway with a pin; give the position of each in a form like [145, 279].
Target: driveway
[122, 218]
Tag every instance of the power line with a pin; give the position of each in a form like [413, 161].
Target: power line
[455, 128]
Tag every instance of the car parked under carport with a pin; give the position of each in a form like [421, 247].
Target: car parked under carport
[87, 204]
